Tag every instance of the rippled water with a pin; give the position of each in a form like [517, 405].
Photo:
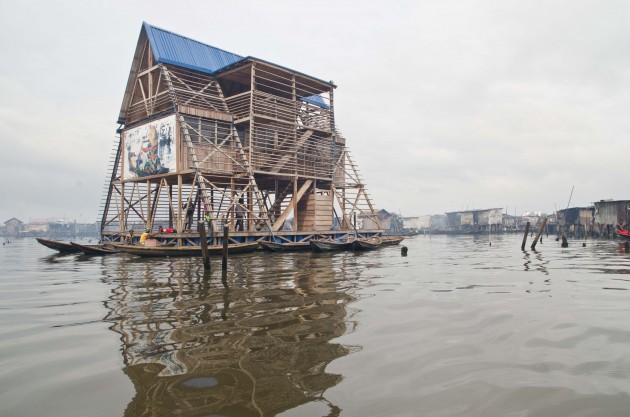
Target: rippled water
[459, 327]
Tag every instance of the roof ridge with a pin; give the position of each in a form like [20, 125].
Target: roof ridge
[147, 24]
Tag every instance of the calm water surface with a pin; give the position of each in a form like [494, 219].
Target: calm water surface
[457, 328]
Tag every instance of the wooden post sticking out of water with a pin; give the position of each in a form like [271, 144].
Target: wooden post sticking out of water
[403, 251]
[525, 236]
[540, 231]
[203, 242]
[226, 235]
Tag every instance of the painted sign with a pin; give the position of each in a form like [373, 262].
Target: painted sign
[150, 149]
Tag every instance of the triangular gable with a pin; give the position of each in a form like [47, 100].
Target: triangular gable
[170, 48]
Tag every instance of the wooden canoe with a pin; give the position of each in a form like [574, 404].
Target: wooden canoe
[391, 240]
[623, 234]
[325, 245]
[95, 249]
[369, 243]
[164, 250]
[58, 246]
[284, 247]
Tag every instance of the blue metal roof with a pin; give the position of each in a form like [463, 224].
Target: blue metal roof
[317, 101]
[171, 48]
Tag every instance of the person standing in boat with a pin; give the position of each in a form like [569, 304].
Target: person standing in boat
[130, 237]
[144, 236]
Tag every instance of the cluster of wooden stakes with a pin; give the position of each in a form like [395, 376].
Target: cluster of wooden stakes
[565, 243]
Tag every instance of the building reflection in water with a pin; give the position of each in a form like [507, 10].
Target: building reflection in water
[256, 344]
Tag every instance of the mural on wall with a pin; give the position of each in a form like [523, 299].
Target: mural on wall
[150, 149]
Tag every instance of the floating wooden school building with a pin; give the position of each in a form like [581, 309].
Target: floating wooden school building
[237, 141]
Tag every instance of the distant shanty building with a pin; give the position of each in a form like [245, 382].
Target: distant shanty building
[37, 228]
[611, 212]
[576, 221]
[207, 134]
[387, 221]
[13, 227]
[437, 222]
[511, 223]
[472, 221]
[432, 222]
[424, 222]
[412, 222]
[533, 217]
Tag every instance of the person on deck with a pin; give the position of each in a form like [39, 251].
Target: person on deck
[240, 214]
[208, 219]
[190, 212]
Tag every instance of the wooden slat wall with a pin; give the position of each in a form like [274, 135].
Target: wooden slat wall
[315, 211]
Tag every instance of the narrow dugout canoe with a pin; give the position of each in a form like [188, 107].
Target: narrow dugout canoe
[95, 249]
[324, 245]
[284, 247]
[391, 240]
[364, 244]
[58, 246]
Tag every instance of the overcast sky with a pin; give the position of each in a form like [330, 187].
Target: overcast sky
[445, 104]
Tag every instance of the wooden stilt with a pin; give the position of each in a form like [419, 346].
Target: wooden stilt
[203, 241]
[540, 231]
[226, 235]
[525, 236]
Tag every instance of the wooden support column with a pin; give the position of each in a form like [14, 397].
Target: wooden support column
[343, 209]
[170, 206]
[121, 215]
[295, 204]
[232, 209]
[203, 242]
[315, 205]
[180, 223]
[226, 236]
[250, 209]
[275, 197]
[148, 222]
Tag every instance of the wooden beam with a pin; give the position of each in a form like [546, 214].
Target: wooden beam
[294, 200]
[289, 154]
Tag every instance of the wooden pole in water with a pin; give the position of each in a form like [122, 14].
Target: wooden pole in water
[203, 242]
[540, 231]
[525, 236]
[226, 234]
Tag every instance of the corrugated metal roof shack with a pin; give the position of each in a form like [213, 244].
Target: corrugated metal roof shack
[610, 213]
[453, 220]
[576, 222]
[482, 220]
[209, 134]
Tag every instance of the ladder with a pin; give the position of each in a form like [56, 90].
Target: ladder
[108, 187]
